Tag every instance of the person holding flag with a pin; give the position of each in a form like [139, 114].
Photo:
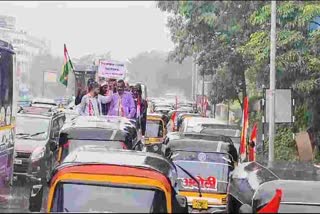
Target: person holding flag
[252, 143]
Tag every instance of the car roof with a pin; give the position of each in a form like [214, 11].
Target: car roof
[103, 155]
[44, 101]
[35, 111]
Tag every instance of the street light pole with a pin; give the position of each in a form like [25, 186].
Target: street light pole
[272, 80]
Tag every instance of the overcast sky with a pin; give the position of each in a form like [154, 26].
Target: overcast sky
[123, 28]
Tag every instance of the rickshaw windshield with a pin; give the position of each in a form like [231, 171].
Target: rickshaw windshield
[74, 144]
[154, 128]
[206, 167]
[75, 197]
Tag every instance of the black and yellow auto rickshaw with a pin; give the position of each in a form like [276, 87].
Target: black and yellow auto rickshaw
[155, 132]
[279, 187]
[113, 132]
[98, 179]
[209, 162]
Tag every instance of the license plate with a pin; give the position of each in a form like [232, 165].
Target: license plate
[200, 204]
[17, 161]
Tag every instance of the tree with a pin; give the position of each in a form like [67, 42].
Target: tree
[211, 33]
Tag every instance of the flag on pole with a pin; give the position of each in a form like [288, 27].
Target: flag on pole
[245, 121]
[67, 67]
[252, 143]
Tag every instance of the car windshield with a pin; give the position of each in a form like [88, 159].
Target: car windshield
[32, 127]
[75, 197]
[154, 128]
[203, 166]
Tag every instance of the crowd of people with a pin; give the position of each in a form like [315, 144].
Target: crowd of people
[114, 98]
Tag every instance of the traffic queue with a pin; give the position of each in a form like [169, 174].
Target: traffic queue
[164, 157]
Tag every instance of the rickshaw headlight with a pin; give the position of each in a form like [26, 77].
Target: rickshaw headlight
[155, 148]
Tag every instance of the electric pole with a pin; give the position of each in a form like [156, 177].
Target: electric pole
[272, 80]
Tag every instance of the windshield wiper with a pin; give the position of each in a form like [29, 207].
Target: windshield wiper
[19, 134]
[38, 133]
[193, 178]
[66, 210]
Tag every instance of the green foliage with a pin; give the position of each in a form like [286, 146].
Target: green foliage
[284, 145]
[231, 40]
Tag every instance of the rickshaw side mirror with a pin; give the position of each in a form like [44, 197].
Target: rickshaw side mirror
[53, 146]
[35, 199]
[245, 208]
[182, 203]
[138, 146]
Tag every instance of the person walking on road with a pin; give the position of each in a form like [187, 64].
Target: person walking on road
[122, 103]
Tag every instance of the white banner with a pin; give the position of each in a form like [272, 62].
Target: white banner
[50, 76]
[112, 69]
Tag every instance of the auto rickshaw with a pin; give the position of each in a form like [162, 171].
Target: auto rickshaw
[210, 163]
[232, 150]
[155, 132]
[108, 131]
[98, 179]
[183, 116]
[256, 187]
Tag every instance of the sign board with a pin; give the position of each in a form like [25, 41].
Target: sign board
[283, 105]
[50, 76]
[304, 146]
[111, 69]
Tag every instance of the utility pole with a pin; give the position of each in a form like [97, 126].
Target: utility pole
[272, 80]
[193, 77]
[203, 94]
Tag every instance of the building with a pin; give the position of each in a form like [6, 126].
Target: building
[25, 46]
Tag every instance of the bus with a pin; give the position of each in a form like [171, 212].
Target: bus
[8, 109]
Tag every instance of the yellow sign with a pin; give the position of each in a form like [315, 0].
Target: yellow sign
[199, 204]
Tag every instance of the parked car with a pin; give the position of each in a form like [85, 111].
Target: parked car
[37, 132]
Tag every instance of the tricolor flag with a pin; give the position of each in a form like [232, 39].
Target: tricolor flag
[252, 143]
[67, 67]
[245, 121]
[274, 204]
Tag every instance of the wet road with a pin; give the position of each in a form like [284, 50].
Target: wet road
[19, 199]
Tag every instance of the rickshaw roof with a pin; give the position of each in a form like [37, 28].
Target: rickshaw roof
[198, 145]
[195, 135]
[252, 176]
[293, 191]
[100, 155]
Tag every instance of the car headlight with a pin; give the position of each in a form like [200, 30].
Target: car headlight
[37, 153]
[155, 148]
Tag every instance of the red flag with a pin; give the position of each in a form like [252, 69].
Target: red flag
[274, 204]
[245, 121]
[252, 144]
[173, 118]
